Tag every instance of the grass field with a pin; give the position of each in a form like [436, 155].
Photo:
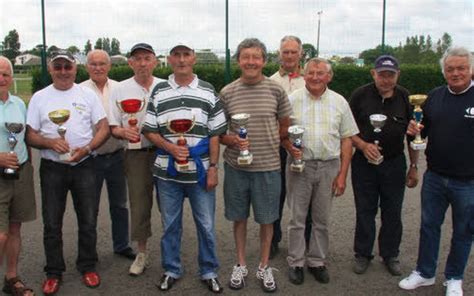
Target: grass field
[23, 86]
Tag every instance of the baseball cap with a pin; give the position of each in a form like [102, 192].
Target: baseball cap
[386, 63]
[62, 54]
[182, 44]
[144, 46]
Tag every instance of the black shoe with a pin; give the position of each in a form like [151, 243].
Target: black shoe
[393, 266]
[273, 250]
[320, 273]
[127, 253]
[213, 285]
[166, 282]
[296, 275]
[361, 264]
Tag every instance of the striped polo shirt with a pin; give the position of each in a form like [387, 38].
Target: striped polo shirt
[267, 103]
[198, 102]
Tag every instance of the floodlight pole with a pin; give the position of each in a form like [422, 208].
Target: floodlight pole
[383, 26]
[319, 31]
[227, 77]
[44, 72]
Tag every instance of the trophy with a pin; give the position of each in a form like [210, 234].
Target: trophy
[180, 127]
[131, 107]
[377, 121]
[295, 133]
[13, 129]
[241, 119]
[417, 100]
[60, 117]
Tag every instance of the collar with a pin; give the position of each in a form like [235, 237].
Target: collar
[463, 91]
[174, 85]
[313, 97]
[292, 75]
[7, 100]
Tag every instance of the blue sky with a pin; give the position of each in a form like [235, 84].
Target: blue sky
[346, 26]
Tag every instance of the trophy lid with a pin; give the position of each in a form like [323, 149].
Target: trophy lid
[59, 116]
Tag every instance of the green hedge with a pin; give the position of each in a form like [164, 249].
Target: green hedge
[416, 78]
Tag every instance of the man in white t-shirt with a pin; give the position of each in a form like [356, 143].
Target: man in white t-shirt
[140, 153]
[75, 172]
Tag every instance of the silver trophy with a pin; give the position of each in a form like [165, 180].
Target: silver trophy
[240, 120]
[13, 129]
[295, 133]
[377, 121]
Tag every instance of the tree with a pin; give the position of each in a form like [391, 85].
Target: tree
[73, 49]
[206, 56]
[106, 44]
[51, 49]
[443, 44]
[98, 44]
[347, 60]
[309, 51]
[87, 47]
[11, 45]
[114, 47]
[370, 55]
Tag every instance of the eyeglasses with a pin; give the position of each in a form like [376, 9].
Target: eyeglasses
[59, 67]
[97, 65]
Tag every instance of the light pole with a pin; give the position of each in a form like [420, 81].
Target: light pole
[383, 26]
[319, 31]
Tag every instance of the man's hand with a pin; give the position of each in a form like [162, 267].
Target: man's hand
[295, 152]
[179, 153]
[59, 145]
[9, 160]
[414, 128]
[371, 151]
[78, 154]
[212, 178]
[339, 185]
[131, 133]
[412, 177]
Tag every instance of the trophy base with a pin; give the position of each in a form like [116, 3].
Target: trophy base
[245, 160]
[65, 156]
[377, 161]
[134, 146]
[10, 174]
[181, 167]
[298, 168]
[418, 146]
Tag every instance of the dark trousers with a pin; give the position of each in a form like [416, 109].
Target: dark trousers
[109, 167]
[56, 180]
[378, 186]
[277, 224]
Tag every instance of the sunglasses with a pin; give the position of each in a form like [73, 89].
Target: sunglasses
[59, 67]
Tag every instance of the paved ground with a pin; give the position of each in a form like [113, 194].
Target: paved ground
[116, 281]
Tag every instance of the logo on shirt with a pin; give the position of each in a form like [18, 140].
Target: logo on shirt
[469, 112]
[79, 107]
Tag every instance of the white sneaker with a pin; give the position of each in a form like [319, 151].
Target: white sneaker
[237, 279]
[453, 287]
[265, 275]
[415, 280]
[138, 266]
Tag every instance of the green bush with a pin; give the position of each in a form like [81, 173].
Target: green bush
[416, 78]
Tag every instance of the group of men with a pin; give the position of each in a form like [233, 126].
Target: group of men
[87, 134]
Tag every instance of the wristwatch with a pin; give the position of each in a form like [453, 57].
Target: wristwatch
[213, 165]
[413, 165]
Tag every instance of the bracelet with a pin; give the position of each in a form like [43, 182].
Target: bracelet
[413, 165]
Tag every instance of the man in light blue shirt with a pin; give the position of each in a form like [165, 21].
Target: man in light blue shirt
[17, 199]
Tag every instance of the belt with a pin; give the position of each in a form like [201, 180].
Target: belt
[145, 149]
[111, 153]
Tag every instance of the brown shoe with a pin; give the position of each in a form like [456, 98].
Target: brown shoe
[393, 266]
[15, 286]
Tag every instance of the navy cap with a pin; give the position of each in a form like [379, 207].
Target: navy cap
[186, 45]
[386, 63]
[62, 54]
[143, 46]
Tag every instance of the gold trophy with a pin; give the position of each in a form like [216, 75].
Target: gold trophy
[13, 129]
[241, 119]
[60, 117]
[131, 107]
[417, 100]
[180, 127]
[377, 121]
[295, 133]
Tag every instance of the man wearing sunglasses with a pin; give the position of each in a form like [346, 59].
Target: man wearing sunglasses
[67, 165]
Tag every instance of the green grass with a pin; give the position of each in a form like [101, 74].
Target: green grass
[23, 87]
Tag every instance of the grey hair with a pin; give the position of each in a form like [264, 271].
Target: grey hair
[292, 38]
[456, 52]
[318, 61]
[9, 63]
[249, 43]
[89, 54]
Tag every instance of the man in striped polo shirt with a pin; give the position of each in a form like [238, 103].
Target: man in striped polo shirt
[185, 97]
[258, 183]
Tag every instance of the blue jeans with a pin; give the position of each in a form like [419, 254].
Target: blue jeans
[109, 167]
[170, 198]
[56, 180]
[437, 194]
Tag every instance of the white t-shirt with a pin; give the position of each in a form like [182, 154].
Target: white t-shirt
[86, 111]
[129, 89]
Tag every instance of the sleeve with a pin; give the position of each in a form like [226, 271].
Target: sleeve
[114, 115]
[217, 122]
[348, 125]
[97, 112]
[284, 106]
[151, 117]
[33, 114]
